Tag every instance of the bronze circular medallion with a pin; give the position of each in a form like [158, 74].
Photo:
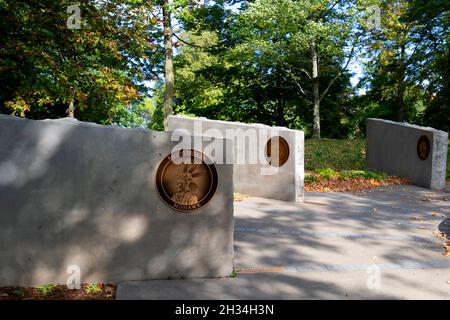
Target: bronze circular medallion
[423, 147]
[277, 151]
[186, 180]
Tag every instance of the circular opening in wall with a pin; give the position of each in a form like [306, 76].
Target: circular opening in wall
[277, 151]
[423, 147]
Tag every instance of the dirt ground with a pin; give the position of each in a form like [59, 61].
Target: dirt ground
[60, 292]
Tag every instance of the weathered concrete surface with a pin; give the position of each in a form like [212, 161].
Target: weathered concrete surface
[392, 148]
[257, 179]
[74, 193]
[333, 246]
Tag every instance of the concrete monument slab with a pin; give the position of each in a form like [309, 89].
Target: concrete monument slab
[418, 153]
[83, 197]
[268, 161]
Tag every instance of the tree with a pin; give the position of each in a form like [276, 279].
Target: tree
[299, 37]
[90, 72]
[408, 62]
[224, 75]
[434, 63]
[392, 53]
[169, 10]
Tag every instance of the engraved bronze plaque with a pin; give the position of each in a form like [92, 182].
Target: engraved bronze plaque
[186, 180]
[277, 151]
[423, 147]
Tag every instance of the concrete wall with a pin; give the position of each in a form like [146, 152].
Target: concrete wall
[74, 193]
[284, 183]
[392, 148]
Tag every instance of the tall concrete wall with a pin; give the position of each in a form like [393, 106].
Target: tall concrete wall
[393, 148]
[74, 193]
[285, 182]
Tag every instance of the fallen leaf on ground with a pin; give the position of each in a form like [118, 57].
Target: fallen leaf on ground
[240, 196]
[436, 214]
[360, 185]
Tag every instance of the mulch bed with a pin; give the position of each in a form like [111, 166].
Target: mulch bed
[351, 184]
[60, 292]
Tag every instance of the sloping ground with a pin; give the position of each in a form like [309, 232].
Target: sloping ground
[381, 244]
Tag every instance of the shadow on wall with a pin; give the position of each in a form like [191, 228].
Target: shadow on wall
[81, 194]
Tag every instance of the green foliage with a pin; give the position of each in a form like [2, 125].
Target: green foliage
[92, 288]
[46, 289]
[248, 65]
[407, 64]
[253, 66]
[235, 273]
[18, 292]
[362, 174]
[44, 65]
[157, 117]
[327, 173]
[310, 178]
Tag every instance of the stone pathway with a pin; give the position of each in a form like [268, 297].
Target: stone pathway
[379, 244]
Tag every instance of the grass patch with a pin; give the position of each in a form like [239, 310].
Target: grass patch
[47, 289]
[329, 173]
[92, 288]
[335, 154]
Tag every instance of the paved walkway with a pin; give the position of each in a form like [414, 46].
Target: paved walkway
[379, 244]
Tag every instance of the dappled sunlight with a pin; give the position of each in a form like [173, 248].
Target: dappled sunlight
[133, 227]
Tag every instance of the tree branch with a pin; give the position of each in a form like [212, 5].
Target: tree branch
[289, 70]
[190, 44]
[339, 74]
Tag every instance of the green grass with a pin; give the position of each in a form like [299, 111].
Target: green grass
[346, 174]
[92, 288]
[337, 155]
[47, 289]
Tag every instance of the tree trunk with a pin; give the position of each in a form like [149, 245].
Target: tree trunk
[315, 91]
[401, 87]
[168, 62]
[71, 109]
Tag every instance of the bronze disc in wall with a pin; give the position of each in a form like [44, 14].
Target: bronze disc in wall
[277, 151]
[423, 147]
[185, 181]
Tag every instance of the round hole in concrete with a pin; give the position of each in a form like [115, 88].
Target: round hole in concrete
[277, 151]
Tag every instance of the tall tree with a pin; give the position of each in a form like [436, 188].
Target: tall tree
[89, 72]
[168, 61]
[394, 58]
[313, 31]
